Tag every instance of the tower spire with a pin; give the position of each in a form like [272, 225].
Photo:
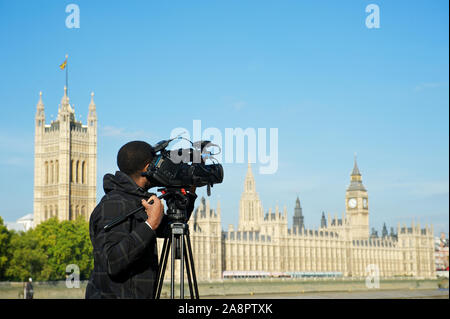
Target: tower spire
[65, 99]
[355, 178]
[40, 104]
[92, 105]
[40, 115]
[355, 171]
[297, 203]
[92, 99]
[249, 169]
[298, 218]
[249, 186]
[92, 115]
[250, 208]
[323, 221]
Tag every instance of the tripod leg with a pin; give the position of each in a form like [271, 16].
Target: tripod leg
[191, 258]
[181, 239]
[165, 256]
[172, 268]
[188, 270]
[163, 251]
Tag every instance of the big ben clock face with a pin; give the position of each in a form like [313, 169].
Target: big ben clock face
[352, 202]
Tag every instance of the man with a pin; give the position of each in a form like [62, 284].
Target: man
[29, 289]
[125, 257]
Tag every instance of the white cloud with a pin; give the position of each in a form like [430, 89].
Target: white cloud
[429, 85]
[11, 142]
[239, 105]
[112, 131]
[17, 162]
[424, 189]
[16, 149]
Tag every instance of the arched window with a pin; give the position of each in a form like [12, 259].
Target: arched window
[57, 171]
[77, 211]
[46, 213]
[51, 172]
[56, 210]
[72, 171]
[83, 173]
[50, 213]
[83, 212]
[78, 172]
[46, 172]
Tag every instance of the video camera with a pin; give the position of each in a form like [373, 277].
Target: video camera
[184, 168]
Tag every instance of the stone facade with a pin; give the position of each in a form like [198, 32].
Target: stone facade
[264, 243]
[65, 163]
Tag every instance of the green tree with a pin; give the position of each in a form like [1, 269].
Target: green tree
[5, 238]
[27, 258]
[65, 243]
[44, 252]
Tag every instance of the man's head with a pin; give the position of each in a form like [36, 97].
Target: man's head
[133, 159]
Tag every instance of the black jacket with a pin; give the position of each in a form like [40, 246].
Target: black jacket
[125, 257]
[29, 291]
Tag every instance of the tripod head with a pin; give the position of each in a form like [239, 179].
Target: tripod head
[177, 201]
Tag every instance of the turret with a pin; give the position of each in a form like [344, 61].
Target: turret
[392, 234]
[39, 173]
[92, 116]
[250, 208]
[384, 232]
[323, 221]
[65, 112]
[218, 209]
[40, 115]
[298, 219]
[92, 161]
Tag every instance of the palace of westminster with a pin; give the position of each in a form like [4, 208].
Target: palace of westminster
[65, 175]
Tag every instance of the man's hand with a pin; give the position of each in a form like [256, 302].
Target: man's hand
[154, 211]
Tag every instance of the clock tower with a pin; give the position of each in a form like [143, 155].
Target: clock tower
[357, 205]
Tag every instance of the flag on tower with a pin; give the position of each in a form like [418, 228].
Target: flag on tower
[63, 65]
[66, 67]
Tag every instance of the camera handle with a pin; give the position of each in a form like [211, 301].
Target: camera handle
[120, 219]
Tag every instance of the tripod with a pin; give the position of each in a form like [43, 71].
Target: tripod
[177, 239]
[179, 243]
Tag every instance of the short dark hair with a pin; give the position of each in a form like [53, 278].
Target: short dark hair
[133, 157]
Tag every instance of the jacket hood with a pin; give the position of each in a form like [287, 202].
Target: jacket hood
[123, 183]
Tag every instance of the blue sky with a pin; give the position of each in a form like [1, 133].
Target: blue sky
[312, 69]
